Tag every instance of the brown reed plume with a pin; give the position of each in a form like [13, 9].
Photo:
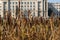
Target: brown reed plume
[21, 28]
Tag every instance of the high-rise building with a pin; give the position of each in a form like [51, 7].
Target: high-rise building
[55, 7]
[37, 7]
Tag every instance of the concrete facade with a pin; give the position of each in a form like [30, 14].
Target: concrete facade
[37, 7]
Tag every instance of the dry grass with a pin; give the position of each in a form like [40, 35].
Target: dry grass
[25, 29]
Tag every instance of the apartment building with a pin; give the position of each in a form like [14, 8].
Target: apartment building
[55, 7]
[37, 7]
[1, 8]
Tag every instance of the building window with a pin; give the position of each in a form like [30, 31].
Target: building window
[25, 6]
[21, 2]
[30, 2]
[13, 2]
[5, 2]
[33, 8]
[27, 2]
[21, 5]
[30, 5]
[33, 2]
[16, 2]
[38, 8]
[24, 2]
[33, 5]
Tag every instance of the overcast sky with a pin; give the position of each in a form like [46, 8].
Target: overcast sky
[54, 1]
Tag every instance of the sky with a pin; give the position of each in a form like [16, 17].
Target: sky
[53, 1]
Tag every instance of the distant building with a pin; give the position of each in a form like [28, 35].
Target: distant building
[55, 7]
[8, 5]
[37, 7]
[1, 8]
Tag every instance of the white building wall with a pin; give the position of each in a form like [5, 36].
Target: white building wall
[1, 8]
[34, 10]
[31, 8]
[12, 7]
